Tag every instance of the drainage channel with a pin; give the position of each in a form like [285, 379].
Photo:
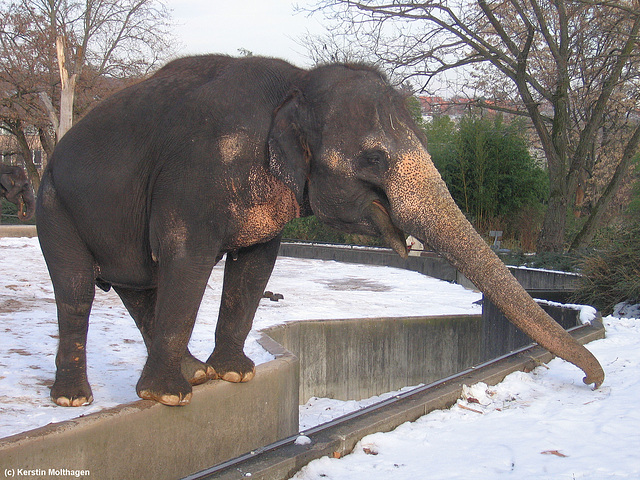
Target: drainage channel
[282, 459]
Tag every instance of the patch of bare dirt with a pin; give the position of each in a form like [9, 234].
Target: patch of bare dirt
[10, 304]
[357, 284]
[19, 351]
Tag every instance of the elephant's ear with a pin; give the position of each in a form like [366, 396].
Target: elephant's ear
[289, 154]
[5, 181]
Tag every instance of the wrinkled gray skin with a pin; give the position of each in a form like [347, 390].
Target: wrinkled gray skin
[214, 155]
[15, 187]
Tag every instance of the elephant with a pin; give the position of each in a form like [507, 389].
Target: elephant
[212, 156]
[15, 187]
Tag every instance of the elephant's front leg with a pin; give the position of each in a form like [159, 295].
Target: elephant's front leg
[181, 285]
[245, 278]
[141, 304]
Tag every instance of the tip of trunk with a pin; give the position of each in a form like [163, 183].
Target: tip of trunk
[594, 373]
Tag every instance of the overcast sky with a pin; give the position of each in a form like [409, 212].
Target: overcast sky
[264, 27]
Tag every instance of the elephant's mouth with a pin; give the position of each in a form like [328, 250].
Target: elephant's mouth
[393, 235]
[25, 204]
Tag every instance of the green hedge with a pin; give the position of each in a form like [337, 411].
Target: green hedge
[10, 214]
[310, 229]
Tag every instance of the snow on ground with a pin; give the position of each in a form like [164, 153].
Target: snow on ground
[312, 289]
[540, 425]
[322, 410]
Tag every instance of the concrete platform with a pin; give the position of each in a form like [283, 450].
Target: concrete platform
[146, 440]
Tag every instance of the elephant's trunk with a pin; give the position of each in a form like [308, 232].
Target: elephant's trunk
[25, 201]
[29, 204]
[422, 206]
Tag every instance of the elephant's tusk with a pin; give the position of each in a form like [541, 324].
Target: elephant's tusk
[392, 234]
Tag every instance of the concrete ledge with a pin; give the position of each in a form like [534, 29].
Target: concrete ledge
[145, 440]
[18, 231]
[540, 283]
[428, 264]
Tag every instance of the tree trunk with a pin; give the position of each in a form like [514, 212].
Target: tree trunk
[51, 112]
[67, 95]
[552, 235]
[588, 231]
[551, 238]
[47, 143]
[67, 91]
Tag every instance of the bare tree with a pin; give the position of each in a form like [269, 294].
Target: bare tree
[572, 66]
[23, 74]
[116, 38]
[59, 57]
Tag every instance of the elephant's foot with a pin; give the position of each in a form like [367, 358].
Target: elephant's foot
[172, 390]
[71, 392]
[233, 368]
[72, 401]
[195, 371]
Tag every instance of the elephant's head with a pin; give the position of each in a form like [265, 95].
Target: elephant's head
[345, 143]
[15, 187]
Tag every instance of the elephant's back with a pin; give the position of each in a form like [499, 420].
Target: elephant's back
[190, 99]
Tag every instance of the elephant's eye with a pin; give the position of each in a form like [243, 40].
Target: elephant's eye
[374, 157]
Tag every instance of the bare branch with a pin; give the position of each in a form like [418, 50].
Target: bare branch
[46, 101]
[573, 66]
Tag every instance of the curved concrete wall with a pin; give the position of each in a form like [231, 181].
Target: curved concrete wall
[338, 438]
[359, 358]
[428, 263]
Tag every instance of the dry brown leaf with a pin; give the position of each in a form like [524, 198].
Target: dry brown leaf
[470, 409]
[554, 452]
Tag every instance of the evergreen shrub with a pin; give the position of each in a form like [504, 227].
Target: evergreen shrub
[612, 275]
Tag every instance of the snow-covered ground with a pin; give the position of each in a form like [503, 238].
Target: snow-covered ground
[541, 425]
[312, 289]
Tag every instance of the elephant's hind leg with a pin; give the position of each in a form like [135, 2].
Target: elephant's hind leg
[71, 387]
[141, 305]
[71, 268]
